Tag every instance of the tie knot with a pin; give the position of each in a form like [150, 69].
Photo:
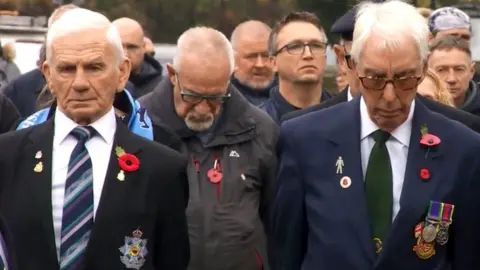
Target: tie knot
[381, 136]
[83, 133]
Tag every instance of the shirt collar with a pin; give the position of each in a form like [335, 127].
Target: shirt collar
[401, 133]
[349, 94]
[105, 126]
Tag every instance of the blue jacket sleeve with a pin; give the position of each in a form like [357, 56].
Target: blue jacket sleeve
[289, 224]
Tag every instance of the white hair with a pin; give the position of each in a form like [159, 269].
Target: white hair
[205, 42]
[80, 20]
[393, 21]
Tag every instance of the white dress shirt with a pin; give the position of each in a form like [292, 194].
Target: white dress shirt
[349, 94]
[3, 251]
[99, 148]
[397, 146]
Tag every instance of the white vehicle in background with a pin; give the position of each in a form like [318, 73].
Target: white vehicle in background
[164, 54]
[27, 34]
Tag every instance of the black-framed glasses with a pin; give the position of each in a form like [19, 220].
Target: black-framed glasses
[298, 48]
[405, 83]
[194, 98]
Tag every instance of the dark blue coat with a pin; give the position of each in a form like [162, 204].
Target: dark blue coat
[317, 224]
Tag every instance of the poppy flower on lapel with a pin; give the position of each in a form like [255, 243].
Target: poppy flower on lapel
[127, 162]
[428, 140]
[425, 174]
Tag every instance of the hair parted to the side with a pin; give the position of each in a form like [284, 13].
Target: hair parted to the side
[394, 22]
[447, 43]
[203, 40]
[80, 20]
[298, 16]
[59, 10]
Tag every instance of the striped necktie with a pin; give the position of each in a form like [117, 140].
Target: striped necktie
[77, 218]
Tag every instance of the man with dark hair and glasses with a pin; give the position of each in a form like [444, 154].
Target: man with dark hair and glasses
[372, 183]
[231, 147]
[297, 46]
[344, 27]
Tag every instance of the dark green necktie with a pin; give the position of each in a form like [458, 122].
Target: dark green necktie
[379, 188]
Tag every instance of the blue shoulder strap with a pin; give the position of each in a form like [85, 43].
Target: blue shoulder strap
[139, 122]
[34, 119]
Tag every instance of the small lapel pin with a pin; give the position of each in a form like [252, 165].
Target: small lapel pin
[345, 182]
[243, 177]
[339, 165]
[121, 176]
[39, 167]
[38, 155]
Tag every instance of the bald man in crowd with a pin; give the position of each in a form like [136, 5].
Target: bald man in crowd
[231, 149]
[253, 75]
[146, 71]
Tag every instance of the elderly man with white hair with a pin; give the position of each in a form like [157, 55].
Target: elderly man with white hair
[80, 191]
[383, 182]
[231, 147]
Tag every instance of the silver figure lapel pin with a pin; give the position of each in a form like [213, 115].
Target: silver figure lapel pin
[339, 164]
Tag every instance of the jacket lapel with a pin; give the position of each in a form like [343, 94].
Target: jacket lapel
[115, 193]
[416, 192]
[39, 186]
[346, 136]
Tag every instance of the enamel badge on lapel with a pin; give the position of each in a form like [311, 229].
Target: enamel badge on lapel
[134, 250]
[38, 155]
[345, 182]
[339, 164]
[38, 168]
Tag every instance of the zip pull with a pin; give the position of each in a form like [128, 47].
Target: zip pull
[196, 163]
[215, 174]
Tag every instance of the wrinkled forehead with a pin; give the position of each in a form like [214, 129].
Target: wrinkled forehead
[380, 59]
[81, 44]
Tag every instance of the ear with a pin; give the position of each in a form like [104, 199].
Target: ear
[340, 53]
[171, 74]
[47, 73]
[273, 62]
[473, 69]
[124, 69]
[431, 37]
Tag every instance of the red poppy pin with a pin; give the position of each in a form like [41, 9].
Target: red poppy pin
[428, 140]
[127, 162]
[425, 174]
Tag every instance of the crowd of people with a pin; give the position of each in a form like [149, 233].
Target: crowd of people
[238, 158]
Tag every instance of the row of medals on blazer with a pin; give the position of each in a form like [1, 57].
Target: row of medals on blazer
[427, 233]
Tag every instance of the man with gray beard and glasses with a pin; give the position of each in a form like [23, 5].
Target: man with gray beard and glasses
[231, 149]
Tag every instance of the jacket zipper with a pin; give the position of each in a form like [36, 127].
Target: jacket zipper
[259, 259]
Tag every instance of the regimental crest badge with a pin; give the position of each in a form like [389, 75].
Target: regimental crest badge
[134, 250]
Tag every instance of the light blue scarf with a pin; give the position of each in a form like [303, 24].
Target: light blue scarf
[139, 122]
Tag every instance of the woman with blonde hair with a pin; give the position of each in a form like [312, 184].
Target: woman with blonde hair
[434, 88]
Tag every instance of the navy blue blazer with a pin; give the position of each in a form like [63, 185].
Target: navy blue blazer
[318, 225]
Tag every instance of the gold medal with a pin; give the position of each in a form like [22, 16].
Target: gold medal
[423, 249]
[39, 167]
[378, 245]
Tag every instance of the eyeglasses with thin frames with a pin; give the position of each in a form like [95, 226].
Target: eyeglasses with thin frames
[298, 48]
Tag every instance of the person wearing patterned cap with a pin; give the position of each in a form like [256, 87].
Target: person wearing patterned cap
[344, 27]
[449, 21]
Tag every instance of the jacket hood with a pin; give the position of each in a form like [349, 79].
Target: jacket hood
[150, 69]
